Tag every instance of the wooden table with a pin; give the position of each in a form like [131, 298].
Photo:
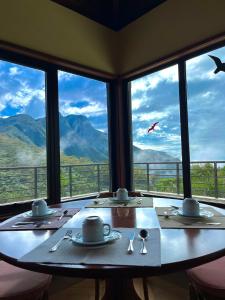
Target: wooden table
[180, 248]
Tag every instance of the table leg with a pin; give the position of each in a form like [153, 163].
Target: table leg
[120, 289]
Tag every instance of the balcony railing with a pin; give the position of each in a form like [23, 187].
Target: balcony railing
[25, 183]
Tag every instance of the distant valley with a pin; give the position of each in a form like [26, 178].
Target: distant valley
[23, 142]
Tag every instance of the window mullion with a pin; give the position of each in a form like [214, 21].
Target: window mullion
[52, 120]
[184, 129]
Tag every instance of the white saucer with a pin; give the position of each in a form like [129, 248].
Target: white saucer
[29, 214]
[78, 239]
[114, 199]
[202, 214]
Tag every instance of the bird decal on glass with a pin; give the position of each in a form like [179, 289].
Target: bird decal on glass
[219, 65]
[152, 127]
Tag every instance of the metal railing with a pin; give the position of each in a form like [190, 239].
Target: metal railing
[25, 183]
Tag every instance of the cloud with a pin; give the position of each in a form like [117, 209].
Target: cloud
[13, 71]
[93, 107]
[153, 80]
[65, 76]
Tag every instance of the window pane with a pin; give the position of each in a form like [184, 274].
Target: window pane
[206, 111]
[22, 133]
[157, 151]
[83, 135]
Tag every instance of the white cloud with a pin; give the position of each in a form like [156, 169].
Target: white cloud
[94, 107]
[13, 71]
[66, 76]
[22, 97]
[152, 81]
[151, 116]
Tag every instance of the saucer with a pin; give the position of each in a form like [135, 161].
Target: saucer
[49, 212]
[202, 214]
[114, 199]
[77, 239]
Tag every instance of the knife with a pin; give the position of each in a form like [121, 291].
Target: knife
[130, 248]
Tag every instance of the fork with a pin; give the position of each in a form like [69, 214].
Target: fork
[67, 235]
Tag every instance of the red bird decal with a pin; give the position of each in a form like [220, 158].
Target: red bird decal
[152, 127]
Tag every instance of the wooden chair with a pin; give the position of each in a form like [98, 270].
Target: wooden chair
[110, 194]
[20, 284]
[207, 282]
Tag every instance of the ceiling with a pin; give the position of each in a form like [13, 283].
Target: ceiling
[114, 14]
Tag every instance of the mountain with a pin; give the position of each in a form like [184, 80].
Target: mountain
[78, 138]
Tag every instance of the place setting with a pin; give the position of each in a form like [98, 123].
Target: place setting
[120, 198]
[96, 243]
[190, 215]
[40, 217]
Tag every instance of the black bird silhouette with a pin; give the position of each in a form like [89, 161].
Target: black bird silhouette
[219, 65]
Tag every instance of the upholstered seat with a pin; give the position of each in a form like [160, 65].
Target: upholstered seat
[20, 284]
[208, 280]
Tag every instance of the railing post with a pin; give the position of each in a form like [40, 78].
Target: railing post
[70, 181]
[148, 185]
[215, 180]
[178, 177]
[98, 177]
[35, 183]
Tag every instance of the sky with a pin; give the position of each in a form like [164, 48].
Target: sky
[155, 98]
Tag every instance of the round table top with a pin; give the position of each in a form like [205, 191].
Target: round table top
[180, 248]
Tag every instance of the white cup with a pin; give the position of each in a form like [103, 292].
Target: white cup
[39, 208]
[122, 194]
[191, 207]
[94, 230]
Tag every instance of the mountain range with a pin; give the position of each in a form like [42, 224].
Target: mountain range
[78, 138]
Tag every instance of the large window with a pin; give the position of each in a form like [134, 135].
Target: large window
[83, 135]
[156, 132]
[206, 111]
[22, 133]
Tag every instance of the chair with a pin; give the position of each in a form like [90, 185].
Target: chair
[207, 282]
[110, 194]
[20, 284]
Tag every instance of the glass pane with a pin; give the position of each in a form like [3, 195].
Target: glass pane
[22, 133]
[83, 135]
[156, 132]
[206, 111]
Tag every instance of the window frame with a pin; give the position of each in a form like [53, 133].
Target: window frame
[147, 70]
[52, 118]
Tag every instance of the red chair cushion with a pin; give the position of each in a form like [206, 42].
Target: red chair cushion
[20, 284]
[210, 277]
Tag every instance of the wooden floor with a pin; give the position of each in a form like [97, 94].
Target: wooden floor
[166, 287]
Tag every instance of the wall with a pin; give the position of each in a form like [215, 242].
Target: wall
[48, 27]
[168, 28]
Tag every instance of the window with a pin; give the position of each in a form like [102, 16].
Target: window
[83, 135]
[22, 133]
[156, 132]
[206, 111]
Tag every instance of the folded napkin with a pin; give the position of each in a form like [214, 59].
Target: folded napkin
[114, 253]
[48, 222]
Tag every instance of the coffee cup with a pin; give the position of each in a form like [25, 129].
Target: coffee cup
[39, 208]
[191, 207]
[122, 194]
[94, 230]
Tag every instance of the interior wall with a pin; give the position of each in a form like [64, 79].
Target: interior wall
[52, 29]
[170, 27]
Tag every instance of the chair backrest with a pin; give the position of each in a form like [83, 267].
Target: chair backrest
[110, 194]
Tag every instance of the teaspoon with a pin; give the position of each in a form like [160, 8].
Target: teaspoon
[143, 235]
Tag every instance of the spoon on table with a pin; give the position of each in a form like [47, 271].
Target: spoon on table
[63, 214]
[143, 234]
